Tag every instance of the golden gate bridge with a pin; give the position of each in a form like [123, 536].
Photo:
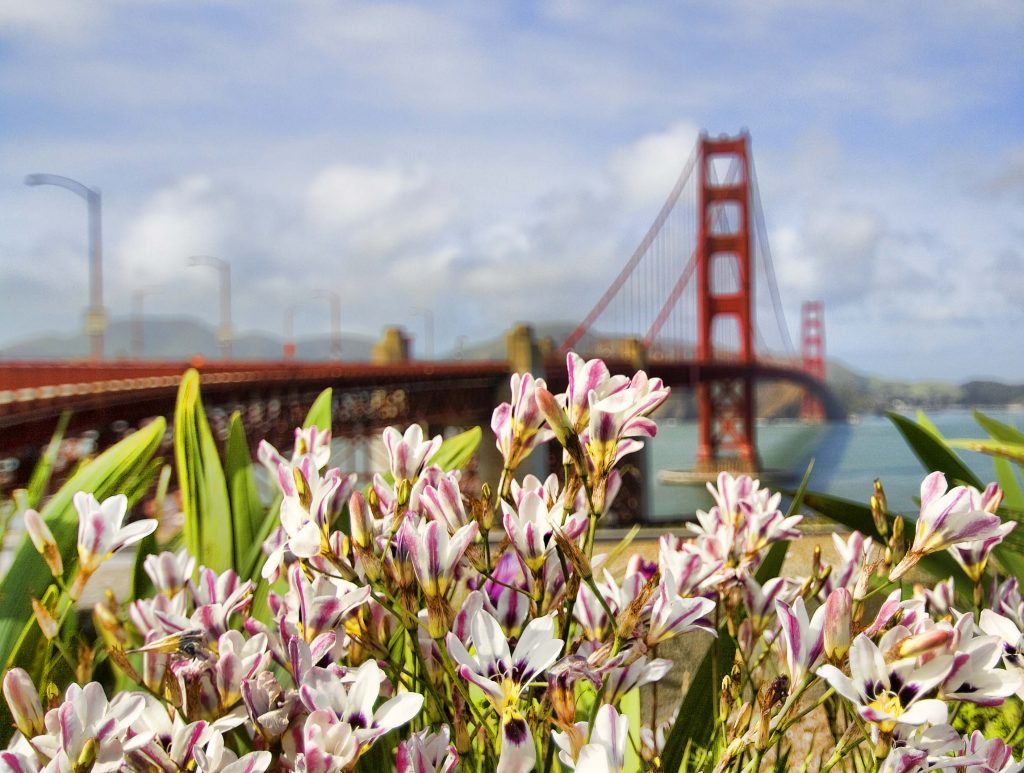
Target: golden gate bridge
[697, 304]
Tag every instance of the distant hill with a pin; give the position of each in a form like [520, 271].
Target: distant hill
[166, 338]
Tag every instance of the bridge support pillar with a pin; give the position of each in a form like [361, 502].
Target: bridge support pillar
[393, 347]
[522, 351]
[725, 279]
[812, 349]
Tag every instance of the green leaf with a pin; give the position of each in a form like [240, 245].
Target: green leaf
[933, 452]
[122, 468]
[629, 706]
[41, 473]
[695, 721]
[999, 430]
[1012, 451]
[142, 585]
[319, 415]
[247, 512]
[204, 493]
[457, 450]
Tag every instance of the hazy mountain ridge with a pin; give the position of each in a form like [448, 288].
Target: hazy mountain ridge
[167, 338]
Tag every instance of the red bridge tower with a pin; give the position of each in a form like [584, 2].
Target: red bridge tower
[812, 350]
[725, 289]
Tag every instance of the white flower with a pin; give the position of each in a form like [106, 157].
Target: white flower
[100, 533]
[605, 750]
[503, 675]
[888, 694]
[947, 518]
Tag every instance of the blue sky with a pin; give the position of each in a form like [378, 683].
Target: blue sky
[498, 162]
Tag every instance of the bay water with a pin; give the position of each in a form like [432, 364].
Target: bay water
[848, 456]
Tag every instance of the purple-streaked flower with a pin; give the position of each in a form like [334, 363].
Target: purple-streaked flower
[16, 761]
[313, 607]
[435, 556]
[887, 694]
[443, 502]
[44, 542]
[170, 572]
[619, 679]
[947, 518]
[409, 453]
[760, 599]
[100, 533]
[996, 756]
[213, 757]
[802, 636]
[974, 677]
[427, 752]
[310, 441]
[604, 750]
[322, 690]
[171, 741]
[518, 753]
[518, 426]
[23, 701]
[973, 556]
[587, 377]
[307, 509]
[852, 553]
[671, 614]
[508, 595]
[502, 674]
[328, 745]
[1009, 635]
[616, 420]
[86, 718]
[921, 749]
[530, 528]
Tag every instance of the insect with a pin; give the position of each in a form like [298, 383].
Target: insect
[189, 644]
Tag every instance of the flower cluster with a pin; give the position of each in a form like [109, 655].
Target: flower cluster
[415, 625]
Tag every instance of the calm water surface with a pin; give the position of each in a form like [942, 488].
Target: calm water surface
[848, 457]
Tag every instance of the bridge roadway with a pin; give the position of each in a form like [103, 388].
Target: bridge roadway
[33, 394]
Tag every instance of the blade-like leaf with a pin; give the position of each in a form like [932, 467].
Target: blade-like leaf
[40, 479]
[998, 430]
[319, 415]
[247, 512]
[110, 473]
[1012, 451]
[142, 585]
[696, 717]
[933, 452]
[457, 450]
[204, 493]
[119, 469]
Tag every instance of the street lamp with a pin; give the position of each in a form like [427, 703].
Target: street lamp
[428, 324]
[335, 300]
[224, 334]
[95, 316]
[138, 329]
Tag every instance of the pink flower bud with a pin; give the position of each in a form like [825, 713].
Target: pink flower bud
[922, 643]
[838, 623]
[24, 703]
[42, 538]
[46, 621]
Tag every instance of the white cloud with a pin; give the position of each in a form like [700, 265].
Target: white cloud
[59, 21]
[644, 171]
[192, 216]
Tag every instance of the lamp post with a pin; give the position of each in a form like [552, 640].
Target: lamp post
[428, 325]
[224, 334]
[138, 321]
[335, 301]
[95, 316]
